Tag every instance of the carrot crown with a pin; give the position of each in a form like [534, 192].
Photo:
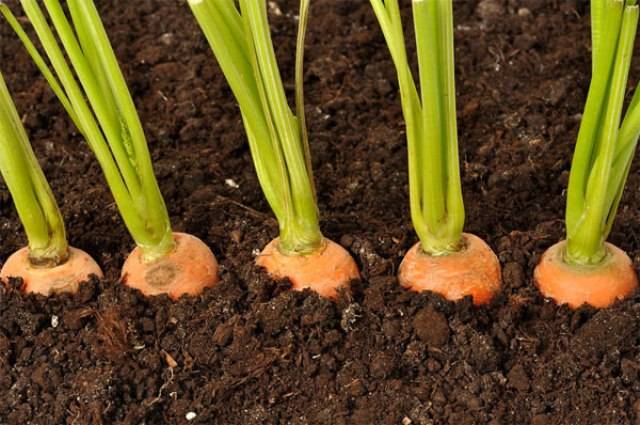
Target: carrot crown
[241, 42]
[606, 142]
[32, 196]
[94, 93]
[435, 192]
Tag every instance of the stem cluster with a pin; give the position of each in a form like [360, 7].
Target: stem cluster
[88, 82]
[241, 42]
[605, 146]
[32, 196]
[435, 192]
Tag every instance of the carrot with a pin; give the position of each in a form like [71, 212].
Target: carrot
[585, 269]
[49, 280]
[186, 270]
[598, 285]
[241, 42]
[324, 271]
[88, 81]
[446, 260]
[472, 271]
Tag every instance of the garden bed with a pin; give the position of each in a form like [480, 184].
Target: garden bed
[249, 351]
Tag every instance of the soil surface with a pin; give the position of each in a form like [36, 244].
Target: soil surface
[251, 352]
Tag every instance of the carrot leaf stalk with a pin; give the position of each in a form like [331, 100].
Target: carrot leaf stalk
[89, 83]
[585, 268]
[47, 265]
[446, 260]
[435, 192]
[32, 196]
[239, 36]
[241, 42]
[606, 140]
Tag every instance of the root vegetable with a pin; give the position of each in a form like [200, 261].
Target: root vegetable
[472, 271]
[324, 271]
[50, 280]
[186, 270]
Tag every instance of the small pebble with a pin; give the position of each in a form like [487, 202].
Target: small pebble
[54, 321]
[524, 12]
[167, 38]
[190, 416]
[490, 10]
[231, 183]
[273, 7]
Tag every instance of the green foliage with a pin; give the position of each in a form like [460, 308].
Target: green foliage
[89, 83]
[435, 192]
[606, 142]
[36, 206]
[241, 42]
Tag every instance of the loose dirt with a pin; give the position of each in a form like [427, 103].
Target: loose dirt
[251, 352]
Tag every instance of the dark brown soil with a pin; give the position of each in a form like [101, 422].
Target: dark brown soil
[249, 351]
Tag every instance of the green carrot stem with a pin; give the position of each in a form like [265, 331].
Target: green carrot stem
[32, 196]
[241, 42]
[435, 191]
[602, 157]
[88, 82]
